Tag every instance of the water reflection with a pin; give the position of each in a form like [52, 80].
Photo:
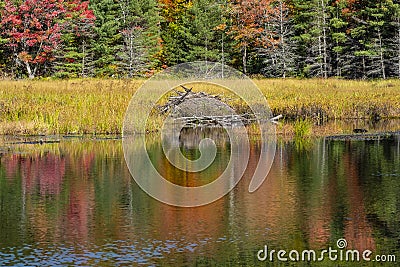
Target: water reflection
[74, 203]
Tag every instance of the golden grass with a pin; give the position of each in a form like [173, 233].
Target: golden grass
[332, 98]
[93, 106]
[71, 107]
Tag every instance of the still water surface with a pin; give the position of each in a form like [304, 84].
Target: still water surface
[75, 203]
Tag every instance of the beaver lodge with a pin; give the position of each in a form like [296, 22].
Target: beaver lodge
[203, 110]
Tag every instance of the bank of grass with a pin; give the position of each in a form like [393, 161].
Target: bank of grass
[332, 98]
[67, 107]
[93, 106]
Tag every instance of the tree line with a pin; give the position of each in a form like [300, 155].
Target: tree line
[354, 39]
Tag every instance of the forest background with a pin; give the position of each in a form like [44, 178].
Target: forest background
[352, 39]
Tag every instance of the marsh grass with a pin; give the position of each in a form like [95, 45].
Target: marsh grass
[332, 99]
[68, 107]
[92, 106]
[302, 128]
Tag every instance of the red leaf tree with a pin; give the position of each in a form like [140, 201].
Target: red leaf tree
[249, 25]
[33, 31]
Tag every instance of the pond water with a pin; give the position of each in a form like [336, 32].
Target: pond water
[75, 203]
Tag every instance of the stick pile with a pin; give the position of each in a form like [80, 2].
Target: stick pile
[204, 110]
[217, 121]
[174, 101]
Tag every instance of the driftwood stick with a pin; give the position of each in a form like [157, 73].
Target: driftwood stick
[177, 92]
[277, 118]
[174, 101]
[180, 100]
[274, 119]
[186, 89]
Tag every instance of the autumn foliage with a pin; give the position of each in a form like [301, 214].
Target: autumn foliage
[355, 39]
[33, 29]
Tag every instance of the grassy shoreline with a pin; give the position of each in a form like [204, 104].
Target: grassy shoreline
[93, 106]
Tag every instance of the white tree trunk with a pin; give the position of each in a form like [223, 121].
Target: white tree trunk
[244, 59]
[31, 73]
[323, 42]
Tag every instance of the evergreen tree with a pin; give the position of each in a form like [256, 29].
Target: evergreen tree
[74, 57]
[109, 39]
[341, 42]
[370, 42]
[311, 20]
[174, 46]
[200, 25]
[394, 40]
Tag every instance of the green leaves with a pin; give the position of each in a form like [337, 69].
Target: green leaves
[278, 38]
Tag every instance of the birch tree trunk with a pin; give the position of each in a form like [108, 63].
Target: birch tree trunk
[244, 59]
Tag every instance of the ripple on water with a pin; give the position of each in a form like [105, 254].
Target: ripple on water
[116, 253]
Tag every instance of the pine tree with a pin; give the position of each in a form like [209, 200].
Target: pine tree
[378, 44]
[109, 39]
[4, 58]
[342, 56]
[394, 40]
[200, 31]
[369, 35]
[311, 20]
[174, 48]
[73, 59]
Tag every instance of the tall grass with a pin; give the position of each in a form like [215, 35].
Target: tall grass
[332, 98]
[92, 106]
[71, 107]
[302, 128]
